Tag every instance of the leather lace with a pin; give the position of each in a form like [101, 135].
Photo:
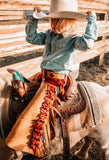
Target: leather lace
[44, 111]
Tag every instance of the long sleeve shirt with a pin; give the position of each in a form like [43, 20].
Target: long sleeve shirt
[59, 53]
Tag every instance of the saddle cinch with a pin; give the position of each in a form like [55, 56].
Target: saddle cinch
[41, 132]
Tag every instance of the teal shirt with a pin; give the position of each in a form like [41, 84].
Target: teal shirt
[59, 52]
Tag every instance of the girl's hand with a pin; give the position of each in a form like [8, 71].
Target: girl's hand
[91, 13]
[38, 9]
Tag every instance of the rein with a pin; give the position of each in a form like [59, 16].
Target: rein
[65, 136]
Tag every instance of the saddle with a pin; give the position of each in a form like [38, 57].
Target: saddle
[17, 103]
[72, 102]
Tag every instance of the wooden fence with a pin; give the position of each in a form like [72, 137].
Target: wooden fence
[12, 35]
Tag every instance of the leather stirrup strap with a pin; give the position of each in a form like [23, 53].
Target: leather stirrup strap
[47, 157]
[66, 141]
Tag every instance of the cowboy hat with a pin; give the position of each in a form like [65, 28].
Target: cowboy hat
[62, 9]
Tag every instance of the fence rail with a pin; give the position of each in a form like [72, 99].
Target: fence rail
[22, 4]
[12, 38]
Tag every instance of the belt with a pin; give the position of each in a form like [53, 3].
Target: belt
[52, 74]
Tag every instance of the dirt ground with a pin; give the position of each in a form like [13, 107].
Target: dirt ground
[89, 71]
[92, 72]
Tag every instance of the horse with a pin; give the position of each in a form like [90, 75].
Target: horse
[98, 133]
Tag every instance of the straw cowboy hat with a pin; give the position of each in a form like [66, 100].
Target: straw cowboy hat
[62, 9]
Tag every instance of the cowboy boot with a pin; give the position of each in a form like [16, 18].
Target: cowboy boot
[17, 82]
[12, 104]
[22, 85]
[31, 132]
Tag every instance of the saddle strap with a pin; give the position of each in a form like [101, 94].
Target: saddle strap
[65, 134]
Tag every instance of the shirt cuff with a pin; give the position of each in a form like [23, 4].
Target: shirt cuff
[91, 18]
[33, 20]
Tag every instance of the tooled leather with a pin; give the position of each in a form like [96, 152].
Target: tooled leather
[17, 104]
[70, 89]
[73, 101]
[75, 104]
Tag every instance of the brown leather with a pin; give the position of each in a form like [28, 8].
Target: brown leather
[65, 135]
[17, 103]
[71, 88]
[31, 86]
[53, 74]
[23, 88]
[76, 104]
[12, 104]
[73, 101]
[20, 136]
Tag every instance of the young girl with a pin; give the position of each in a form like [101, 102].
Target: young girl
[58, 58]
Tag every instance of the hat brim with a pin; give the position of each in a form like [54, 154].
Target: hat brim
[62, 14]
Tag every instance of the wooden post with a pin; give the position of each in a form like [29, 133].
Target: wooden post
[23, 14]
[101, 57]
